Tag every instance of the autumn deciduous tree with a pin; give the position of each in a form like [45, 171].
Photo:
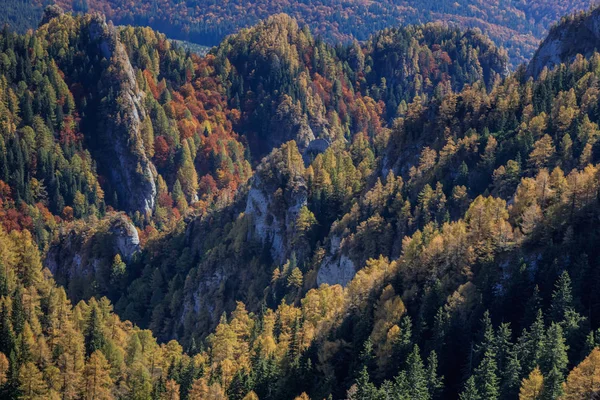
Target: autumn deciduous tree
[4, 369]
[250, 396]
[96, 376]
[543, 151]
[583, 382]
[171, 390]
[32, 386]
[117, 269]
[532, 386]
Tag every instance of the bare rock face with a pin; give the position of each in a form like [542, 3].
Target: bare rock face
[336, 271]
[131, 173]
[290, 124]
[271, 226]
[125, 238]
[84, 253]
[579, 34]
[314, 148]
[277, 194]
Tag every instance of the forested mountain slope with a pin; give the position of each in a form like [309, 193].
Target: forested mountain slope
[399, 219]
[518, 25]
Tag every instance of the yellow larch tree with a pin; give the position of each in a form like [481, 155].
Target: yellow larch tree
[532, 386]
[584, 380]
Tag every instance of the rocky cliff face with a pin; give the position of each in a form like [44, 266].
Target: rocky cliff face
[579, 34]
[337, 268]
[273, 225]
[131, 173]
[278, 192]
[82, 254]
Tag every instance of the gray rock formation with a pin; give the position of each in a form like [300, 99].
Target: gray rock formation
[337, 267]
[270, 226]
[278, 192]
[132, 175]
[579, 34]
[336, 271]
[82, 252]
[125, 238]
[314, 148]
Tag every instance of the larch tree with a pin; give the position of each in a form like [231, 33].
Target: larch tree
[543, 151]
[4, 369]
[118, 269]
[199, 389]
[583, 381]
[250, 396]
[532, 386]
[172, 390]
[29, 265]
[32, 385]
[96, 377]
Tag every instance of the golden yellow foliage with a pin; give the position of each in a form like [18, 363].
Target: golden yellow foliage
[531, 387]
[583, 381]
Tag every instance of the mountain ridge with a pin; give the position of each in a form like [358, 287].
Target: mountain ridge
[321, 226]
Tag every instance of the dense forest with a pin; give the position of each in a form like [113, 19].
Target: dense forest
[517, 25]
[286, 218]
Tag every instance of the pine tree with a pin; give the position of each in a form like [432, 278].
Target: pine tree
[94, 335]
[25, 344]
[532, 307]
[487, 378]
[367, 356]
[503, 346]
[553, 385]
[533, 344]
[470, 391]
[364, 389]
[487, 341]
[401, 346]
[435, 383]
[562, 297]
[555, 351]
[511, 376]
[18, 312]
[416, 376]
[7, 336]
[179, 196]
